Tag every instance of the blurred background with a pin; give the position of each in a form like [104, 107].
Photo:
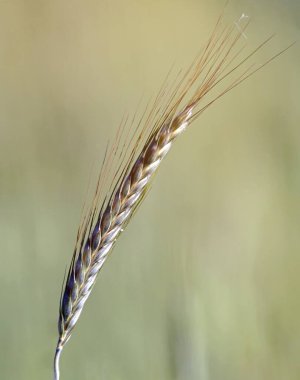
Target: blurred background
[204, 284]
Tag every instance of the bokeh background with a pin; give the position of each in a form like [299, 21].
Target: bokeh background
[205, 282]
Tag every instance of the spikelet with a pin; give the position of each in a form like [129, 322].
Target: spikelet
[119, 194]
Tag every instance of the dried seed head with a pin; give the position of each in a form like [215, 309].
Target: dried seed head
[130, 181]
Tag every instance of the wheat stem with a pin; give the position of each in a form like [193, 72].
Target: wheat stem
[56, 362]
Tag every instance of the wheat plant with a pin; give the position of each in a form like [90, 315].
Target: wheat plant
[138, 149]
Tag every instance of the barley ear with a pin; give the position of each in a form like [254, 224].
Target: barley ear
[135, 155]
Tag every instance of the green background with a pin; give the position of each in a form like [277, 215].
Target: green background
[204, 284]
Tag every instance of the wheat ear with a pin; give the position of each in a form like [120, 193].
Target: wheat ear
[166, 121]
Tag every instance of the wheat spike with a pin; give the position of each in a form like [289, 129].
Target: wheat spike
[173, 110]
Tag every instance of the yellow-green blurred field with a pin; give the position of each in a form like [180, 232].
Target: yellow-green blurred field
[205, 282]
